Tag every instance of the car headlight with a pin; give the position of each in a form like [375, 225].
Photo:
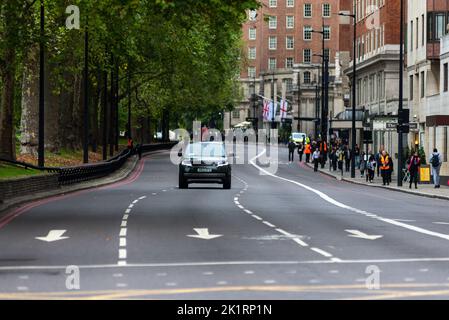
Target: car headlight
[222, 163]
[186, 163]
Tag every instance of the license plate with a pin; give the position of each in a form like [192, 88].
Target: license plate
[204, 170]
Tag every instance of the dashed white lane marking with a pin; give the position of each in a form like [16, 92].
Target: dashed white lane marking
[256, 217]
[135, 201]
[124, 223]
[154, 194]
[222, 283]
[269, 281]
[423, 270]
[24, 277]
[22, 288]
[240, 206]
[125, 217]
[269, 224]
[127, 210]
[409, 279]
[236, 199]
[121, 285]
[122, 242]
[123, 232]
[162, 274]
[122, 263]
[322, 252]
[117, 275]
[208, 273]
[442, 223]
[314, 281]
[171, 284]
[249, 272]
[142, 197]
[336, 203]
[300, 242]
[122, 254]
[334, 271]
[248, 211]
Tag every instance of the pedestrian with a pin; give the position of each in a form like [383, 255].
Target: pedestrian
[371, 166]
[347, 158]
[308, 151]
[385, 168]
[139, 150]
[300, 151]
[413, 168]
[340, 156]
[378, 162]
[435, 162]
[391, 168]
[130, 143]
[316, 159]
[357, 156]
[323, 153]
[291, 150]
[363, 162]
[334, 158]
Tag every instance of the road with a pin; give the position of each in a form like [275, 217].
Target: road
[293, 234]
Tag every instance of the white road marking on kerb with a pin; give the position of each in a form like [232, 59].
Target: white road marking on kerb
[336, 203]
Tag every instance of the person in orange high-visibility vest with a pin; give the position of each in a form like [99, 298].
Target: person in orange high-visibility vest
[307, 152]
[385, 167]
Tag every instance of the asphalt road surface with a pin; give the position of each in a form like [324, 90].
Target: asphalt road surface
[288, 234]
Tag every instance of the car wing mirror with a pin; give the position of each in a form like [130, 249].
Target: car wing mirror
[179, 153]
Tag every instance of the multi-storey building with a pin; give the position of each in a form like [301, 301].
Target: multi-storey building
[427, 58]
[281, 46]
[377, 68]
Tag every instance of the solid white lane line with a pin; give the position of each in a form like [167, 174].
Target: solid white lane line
[322, 252]
[123, 232]
[122, 242]
[124, 223]
[122, 254]
[256, 217]
[336, 203]
[269, 224]
[300, 242]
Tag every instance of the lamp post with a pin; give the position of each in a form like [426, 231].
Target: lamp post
[86, 96]
[354, 58]
[273, 123]
[322, 76]
[41, 136]
[401, 96]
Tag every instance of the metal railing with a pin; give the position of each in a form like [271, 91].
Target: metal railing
[75, 174]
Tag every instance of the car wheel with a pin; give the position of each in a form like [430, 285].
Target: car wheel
[182, 183]
[227, 183]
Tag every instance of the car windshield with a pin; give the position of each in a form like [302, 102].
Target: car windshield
[203, 150]
[297, 135]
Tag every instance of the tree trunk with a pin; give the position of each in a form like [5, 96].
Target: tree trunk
[29, 121]
[7, 139]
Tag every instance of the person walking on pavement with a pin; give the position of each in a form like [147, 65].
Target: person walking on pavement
[363, 161]
[291, 150]
[340, 157]
[307, 151]
[371, 166]
[435, 162]
[357, 156]
[413, 167]
[347, 158]
[385, 168]
[391, 167]
[300, 151]
[378, 162]
[316, 159]
[323, 153]
[334, 159]
[139, 150]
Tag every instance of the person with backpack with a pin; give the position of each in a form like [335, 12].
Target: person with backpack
[435, 163]
[300, 151]
[413, 167]
[371, 166]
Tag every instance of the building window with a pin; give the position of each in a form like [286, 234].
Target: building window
[423, 26]
[411, 36]
[307, 10]
[272, 63]
[327, 32]
[289, 63]
[307, 78]
[273, 3]
[307, 33]
[411, 88]
[252, 53]
[252, 15]
[252, 33]
[290, 3]
[307, 55]
[272, 43]
[445, 77]
[436, 25]
[288, 85]
[236, 114]
[272, 22]
[422, 85]
[251, 72]
[326, 10]
[290, 22]
[289, 42]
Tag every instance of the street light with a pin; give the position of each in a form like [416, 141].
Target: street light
[41, 146]
[401, 96]
[353, 132]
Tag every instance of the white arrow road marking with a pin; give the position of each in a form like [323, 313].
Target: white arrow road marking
[53, 235]
[203, 233]
[361, 235]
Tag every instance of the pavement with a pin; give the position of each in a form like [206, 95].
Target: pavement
[288, 233]
[424, 189]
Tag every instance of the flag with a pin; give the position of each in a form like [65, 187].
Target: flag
[284, 107]
[265, 109]
[270, 111]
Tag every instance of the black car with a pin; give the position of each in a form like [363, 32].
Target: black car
[204, 162]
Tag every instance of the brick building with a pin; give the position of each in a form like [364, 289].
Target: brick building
[280, 48]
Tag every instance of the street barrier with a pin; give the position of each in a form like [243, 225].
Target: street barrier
[70, 175]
